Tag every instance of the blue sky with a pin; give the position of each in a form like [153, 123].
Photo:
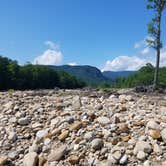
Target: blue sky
[108, 34]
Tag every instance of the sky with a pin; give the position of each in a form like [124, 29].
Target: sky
[108, 34]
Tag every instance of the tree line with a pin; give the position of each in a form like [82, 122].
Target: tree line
[14, 76]
[145, 76]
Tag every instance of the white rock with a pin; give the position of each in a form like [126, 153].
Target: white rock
[30, 159]
[57, 153]
[163, 135]
[41, 134]
[89, 136]
[147, 163]
[117, 155]
[34, 148]
[142, 146]
[157, 149]
[141, 155]
[123, 160]
[153, 125]
[103, 120]
[12, 136]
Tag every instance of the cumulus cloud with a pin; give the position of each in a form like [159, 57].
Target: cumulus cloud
[51, 56]
[124, 63]
[72, 64]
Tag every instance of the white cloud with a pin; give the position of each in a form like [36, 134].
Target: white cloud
[124, 63]
[73, 64]
[145, 51]
[49, 57]
[51, 45]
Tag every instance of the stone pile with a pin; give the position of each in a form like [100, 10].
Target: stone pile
[70, 128]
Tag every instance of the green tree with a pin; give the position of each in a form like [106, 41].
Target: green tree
[154, 29]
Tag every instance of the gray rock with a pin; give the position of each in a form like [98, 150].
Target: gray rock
[23, 121]
[13, 155]
[97, 144]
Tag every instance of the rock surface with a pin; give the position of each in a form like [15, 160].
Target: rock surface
[82, 127]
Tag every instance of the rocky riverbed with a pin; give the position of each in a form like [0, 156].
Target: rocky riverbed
[82, 128]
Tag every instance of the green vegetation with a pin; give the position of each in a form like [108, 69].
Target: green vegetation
[14, 76]
[143, 77]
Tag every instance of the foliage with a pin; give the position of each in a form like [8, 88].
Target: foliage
[143, 77]
[13, 76]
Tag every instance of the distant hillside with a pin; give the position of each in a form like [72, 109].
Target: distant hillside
[143, 76]
[116, 74]
[86, 73]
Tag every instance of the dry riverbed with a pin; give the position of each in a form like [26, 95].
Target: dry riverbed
[82, 128]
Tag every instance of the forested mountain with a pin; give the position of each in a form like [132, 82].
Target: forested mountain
[116, 74]
[14, 76]
[90, 74]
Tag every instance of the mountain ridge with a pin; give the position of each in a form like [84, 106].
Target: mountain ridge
[91, 74]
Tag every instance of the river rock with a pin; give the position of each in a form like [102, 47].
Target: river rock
[97, 144]
[142, 146]
[57, 153]
[30, 159]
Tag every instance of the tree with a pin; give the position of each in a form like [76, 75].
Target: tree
[154, 29]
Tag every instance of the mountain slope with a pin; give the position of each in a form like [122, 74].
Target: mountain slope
[116, 74]
[86, 73]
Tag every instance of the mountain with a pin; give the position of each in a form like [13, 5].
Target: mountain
[86, 73]
[116, 74]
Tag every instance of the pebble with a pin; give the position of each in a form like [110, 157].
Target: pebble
[141, 155]
[123, 160]
[63, 135]
[23, 121]
[97, 143]
[76, 126]
[41, 134]
[82, 127]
